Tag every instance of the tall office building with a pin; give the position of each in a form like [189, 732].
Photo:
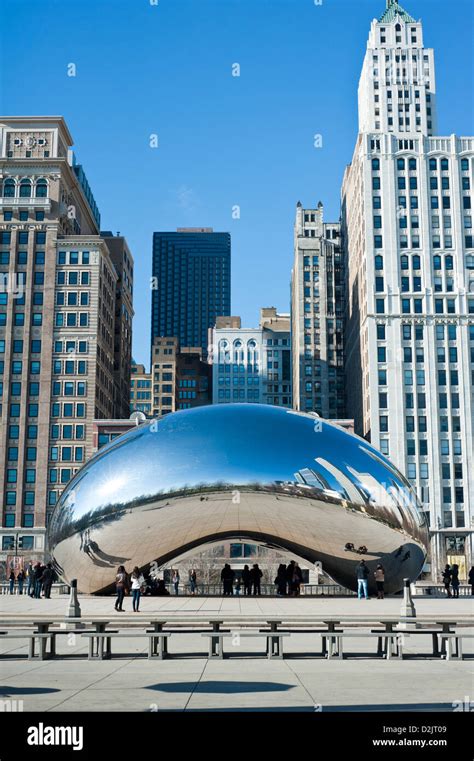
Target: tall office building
[317, 315]
[252, 364]
[407, 234]
[63, 341]
[191, 284]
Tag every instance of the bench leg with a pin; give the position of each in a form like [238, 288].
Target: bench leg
[448, 648]
[459, 643]
[323, 646]
[31, 648]
[388, 648]
[108, 649]
[91, 648]
[162, 648]
[215, 648]
[274, 647]
[42, 649]
[52, 647]
[436, 652]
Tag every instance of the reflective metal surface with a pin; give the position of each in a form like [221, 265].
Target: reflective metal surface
[243, 471]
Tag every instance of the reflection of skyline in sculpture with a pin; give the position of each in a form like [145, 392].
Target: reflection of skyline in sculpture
[217, 472]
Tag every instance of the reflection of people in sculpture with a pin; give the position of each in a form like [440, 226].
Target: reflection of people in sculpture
[92, 549]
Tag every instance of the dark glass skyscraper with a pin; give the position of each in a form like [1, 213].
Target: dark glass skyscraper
[191, 271]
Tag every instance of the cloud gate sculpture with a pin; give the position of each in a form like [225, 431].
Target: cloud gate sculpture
[246, 471]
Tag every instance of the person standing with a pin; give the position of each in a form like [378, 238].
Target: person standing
[280, 580]
[47, 580]
[290, 569]
[255, 577]
[31, 580]
[379, 575]
[455, 580]
[447, 580]
[362, 584]
[192, 581]
[297, 580]
[120, 584]
[227, 578]
[471, 579]
[246, 580]
[137, 580]
[175, 581]
[38, 572]
[21, 580]
[12, 581]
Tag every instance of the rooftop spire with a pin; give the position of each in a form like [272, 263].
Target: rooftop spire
[394, 9]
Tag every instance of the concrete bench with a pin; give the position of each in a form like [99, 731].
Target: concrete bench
[42, 638]
[458, 638]
[156, 648]
[336, 647]
[274, 645]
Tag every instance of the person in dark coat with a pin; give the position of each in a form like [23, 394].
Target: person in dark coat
[471, 579]
[21, 580]
[12, 581]
[255, 577]
[246, 580]
[290, 569]
[227, 578]
[38, 572]
[455, 580]
[47, 580]
[280, 580]
[447, 580]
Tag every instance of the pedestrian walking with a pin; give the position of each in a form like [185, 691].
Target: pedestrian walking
[175, 581]
[455, 580]
[379, 575]
[471, 579]
[21, 580]
[447, 580]
[362, 584]
[192, 581]
[255, 578]
[12, 581]
[138, 582]
[120, 587]
[246, 580]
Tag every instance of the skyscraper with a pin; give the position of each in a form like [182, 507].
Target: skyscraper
[317, 315]
[64, 342]
[191, 284]
[407, 234]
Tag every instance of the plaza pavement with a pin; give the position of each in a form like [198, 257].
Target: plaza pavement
[242, 682]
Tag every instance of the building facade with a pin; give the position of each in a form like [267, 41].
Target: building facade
[252, 364]
[407, 235]
[181, 379]
[140, 390]
[317, 315]
[58, 322]
[190, 284]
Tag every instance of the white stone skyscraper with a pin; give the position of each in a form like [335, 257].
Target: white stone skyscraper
[407, 235]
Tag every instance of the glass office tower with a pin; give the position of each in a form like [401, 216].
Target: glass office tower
[191, 284]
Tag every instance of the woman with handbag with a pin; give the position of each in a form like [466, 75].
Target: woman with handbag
[138, 583]
[120, 585]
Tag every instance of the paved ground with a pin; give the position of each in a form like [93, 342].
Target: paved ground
[303, 682]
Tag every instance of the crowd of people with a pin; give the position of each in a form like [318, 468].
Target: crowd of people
[451, 581]
[38, 578]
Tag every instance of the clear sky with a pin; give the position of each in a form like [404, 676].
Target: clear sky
[166, 69]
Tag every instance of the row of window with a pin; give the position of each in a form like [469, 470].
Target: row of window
[25, 188]
[434, 164]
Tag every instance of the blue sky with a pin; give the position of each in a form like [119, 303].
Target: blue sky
[166, 69]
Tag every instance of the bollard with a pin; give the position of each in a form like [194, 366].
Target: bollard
[407, 608]
[74, 608]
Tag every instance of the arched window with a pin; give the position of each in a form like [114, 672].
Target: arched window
[41, 189]
[25, 189]
[9, 189]
[398, 28]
